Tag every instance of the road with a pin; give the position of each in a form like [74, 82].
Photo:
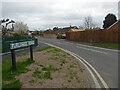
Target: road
[103, 60]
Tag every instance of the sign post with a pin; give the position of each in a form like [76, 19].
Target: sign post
[13, 59]
[17, 45]
[31, 52]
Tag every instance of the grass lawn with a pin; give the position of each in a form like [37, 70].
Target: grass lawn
[8, 75]
[113, 46]
[52, 68]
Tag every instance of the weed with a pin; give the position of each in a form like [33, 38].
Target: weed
[71, 66]
[32, 81]
[66, 76]
[47, 75]
[54, 58]
[44, 53]
[71, 77]
[36, 73]
[69, 80]
[78, 81]
[81, 69]
[41, 83]
[50, 68]
[61, 64]
[41, 65]
[57, 50]
[14, 84]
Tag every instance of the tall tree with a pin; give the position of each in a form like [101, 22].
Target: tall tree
[109, 20]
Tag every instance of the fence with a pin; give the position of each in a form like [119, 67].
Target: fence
[94, 36]
[7, 40]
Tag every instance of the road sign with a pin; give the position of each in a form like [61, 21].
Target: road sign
[17, 45]
[21, 44]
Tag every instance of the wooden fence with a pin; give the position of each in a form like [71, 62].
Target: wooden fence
[94, 36]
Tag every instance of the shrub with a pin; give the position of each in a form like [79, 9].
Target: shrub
[59, 36]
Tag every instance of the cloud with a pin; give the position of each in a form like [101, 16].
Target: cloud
[47, 14]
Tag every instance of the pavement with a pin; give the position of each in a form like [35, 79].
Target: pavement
[105, 61]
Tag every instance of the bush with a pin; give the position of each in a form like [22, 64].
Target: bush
[59, 36]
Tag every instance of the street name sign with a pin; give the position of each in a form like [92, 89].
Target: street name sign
[21, 44]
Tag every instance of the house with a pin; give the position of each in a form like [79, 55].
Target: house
[64, 30]
[76, 30]
[115, 26]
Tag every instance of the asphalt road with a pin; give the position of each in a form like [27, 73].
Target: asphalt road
[104, 61]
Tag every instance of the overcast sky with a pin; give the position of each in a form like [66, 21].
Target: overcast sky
[44, 14]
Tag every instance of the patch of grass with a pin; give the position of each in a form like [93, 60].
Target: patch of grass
[71, 66]
[69, 80]
[14, 84]
[39, 50]
[66, 76]
[81, 69]
[36, 73]
[32, 81]
[113, 46]
[71, 77]
[57, 54]
[8, 74]
[78, 81]
[50, 68]
[63, 62]
[47, 75]
[41, 65]
[64, 55]
[53, 58]
[24, 54]
[41, 83]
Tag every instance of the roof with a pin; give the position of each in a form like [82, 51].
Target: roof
[113, 24]
[75, 30]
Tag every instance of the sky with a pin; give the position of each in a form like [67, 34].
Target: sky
[45, 14]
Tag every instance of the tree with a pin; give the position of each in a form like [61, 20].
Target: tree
[109, 20]
[3, 25]
[20, 28]
[88, 23]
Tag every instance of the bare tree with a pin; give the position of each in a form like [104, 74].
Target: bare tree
[88, 23]
[3, 25]
[20, 28]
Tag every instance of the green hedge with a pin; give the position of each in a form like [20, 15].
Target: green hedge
[7, 40]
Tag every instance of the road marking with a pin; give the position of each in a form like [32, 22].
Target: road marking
[58, 42]
[69, 43]
[97, 47]
[92, 50]
[85, 63]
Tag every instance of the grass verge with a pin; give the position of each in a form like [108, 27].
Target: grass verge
[112, 46]
[39, 50]
[8, 74]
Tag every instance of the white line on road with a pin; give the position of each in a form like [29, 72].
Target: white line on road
[97, 47]
[86, 64]
[69, 43]
[92, 50]
[58, 42]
